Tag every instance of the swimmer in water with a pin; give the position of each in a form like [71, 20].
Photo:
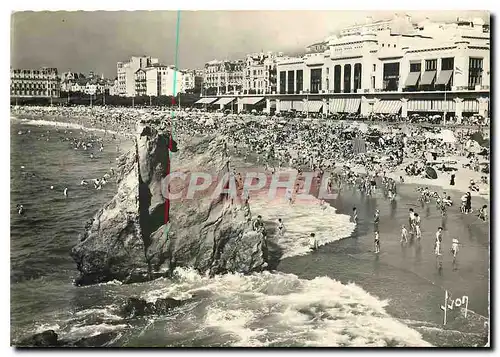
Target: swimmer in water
[20, 209]
[83, 183]
[51, 187]
[65, 192]
[91, 155]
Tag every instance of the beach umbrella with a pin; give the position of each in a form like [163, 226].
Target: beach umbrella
[448, 136]
[363, 128]
[473, 146]
[430, 172]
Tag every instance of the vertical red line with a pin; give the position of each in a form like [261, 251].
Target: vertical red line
[170, 147]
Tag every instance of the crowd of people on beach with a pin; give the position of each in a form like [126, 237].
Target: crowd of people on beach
[369, 157]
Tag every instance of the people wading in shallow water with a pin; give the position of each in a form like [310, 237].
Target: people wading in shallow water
[281, 228]
[483, 213]
[454, 248]
[377, 242]
[354, 215]
[411, 219]
[404, 234]
[376, 220]
[418, 232]
[313, 242]
[439, 240]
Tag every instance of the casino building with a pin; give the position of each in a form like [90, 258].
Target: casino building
[43, 82]
[387, 67]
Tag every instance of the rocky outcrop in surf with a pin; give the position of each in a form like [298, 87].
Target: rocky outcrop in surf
[127, 241]
[135, 307]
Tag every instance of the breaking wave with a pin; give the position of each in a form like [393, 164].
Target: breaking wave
[276, 309]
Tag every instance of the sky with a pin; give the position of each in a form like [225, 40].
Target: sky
[95, 40]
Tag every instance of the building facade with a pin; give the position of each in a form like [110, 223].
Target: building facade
[126, 73]
[68, 79]
[223, 77]
[158, 80]
[368, 61]
[43, 82]
[259, 76]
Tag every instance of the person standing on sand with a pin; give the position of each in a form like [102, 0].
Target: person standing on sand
[468, 203]
[452, 180]
[454, 248]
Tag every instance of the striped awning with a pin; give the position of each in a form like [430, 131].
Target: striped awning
[206, 100]
[337, 105]
[444, 77]
[412, 79]
[251, 100]
[224, 101]
[352, 105]
[286, 105]
[314, 106]
[428, 105]
[427, 78]
[387, 107]
[471, 106]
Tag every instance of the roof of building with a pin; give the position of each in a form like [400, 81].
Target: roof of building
[318, 44]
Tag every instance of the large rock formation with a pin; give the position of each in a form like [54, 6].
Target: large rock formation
[126, 239]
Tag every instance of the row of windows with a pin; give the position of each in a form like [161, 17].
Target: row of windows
[256, 72]
[294, 84]
[340, 49]
[34, 92]
[33, 85]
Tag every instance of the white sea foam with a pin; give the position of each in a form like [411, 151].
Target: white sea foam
[301, 219]
[59, 124]
[85, 331]
[276, 309]
[104, 313]
[45, 327]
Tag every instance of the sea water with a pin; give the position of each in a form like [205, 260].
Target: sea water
[264, 309]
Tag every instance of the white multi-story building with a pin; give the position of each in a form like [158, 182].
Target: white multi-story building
[126, 73]
[43, 82]
[188, 80]
[158, 80]
[113, 87]
[431, 67]
[259, 76]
